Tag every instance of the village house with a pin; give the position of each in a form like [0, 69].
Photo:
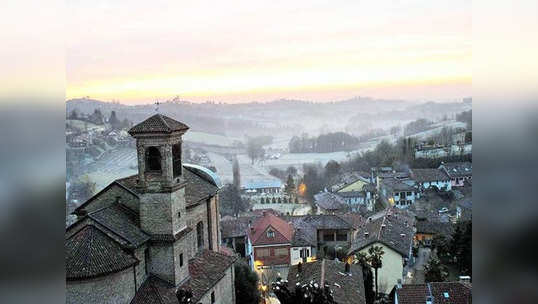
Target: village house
[269, 240]
[356, 191]
[325, 230]
[345, 280]
[393, 192]
[458, 172]
[427, 229]
[439, 151]
[435, 292]
[146, 237]
[426, 178]
[330, 203]
[392, 229]
[257, 187]
[376, 171]
[234, 232]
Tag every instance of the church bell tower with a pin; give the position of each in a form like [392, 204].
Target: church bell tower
[162, 194]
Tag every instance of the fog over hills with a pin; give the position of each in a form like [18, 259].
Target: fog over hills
[282, 117]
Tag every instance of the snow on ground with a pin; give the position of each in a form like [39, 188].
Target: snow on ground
[438, 127]
[209, 139]
[113, 164]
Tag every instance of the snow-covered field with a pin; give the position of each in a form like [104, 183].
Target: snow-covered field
[113, 165]
[438, 128]
[209, 139]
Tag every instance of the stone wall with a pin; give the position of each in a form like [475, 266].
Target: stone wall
[195, 215]
[160, 212]
[140, 269]
[117, 288]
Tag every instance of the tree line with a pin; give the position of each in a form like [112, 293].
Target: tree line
[330, 142]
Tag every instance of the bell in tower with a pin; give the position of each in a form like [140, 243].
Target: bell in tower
[158, 142]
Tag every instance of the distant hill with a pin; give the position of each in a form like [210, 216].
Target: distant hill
[283, 117]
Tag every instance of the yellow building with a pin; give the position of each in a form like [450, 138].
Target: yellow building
[393, 231]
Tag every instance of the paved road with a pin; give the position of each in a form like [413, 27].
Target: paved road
[417, 271]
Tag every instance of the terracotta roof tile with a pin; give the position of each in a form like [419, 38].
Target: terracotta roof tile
[158, 123]
[91, 253]
[429, 175]
[394, 228]
[283, 230]
[330, 201]
[206, 269]
[442, 293]
[347, 288]
[122, 221]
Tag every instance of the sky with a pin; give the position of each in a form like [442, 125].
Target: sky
[240, 51]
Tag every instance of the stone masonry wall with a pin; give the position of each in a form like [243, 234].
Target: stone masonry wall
[195, 215]
[117, 288]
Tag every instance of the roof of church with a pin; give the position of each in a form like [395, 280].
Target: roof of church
[91, 253]
[206, 269]
[158, 123]
[198, 187]
[122, 221]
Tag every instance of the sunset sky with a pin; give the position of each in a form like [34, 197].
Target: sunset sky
[240, 51]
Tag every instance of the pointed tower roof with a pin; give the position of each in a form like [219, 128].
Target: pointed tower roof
[158, 124]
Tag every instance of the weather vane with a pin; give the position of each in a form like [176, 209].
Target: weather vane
[157, 103]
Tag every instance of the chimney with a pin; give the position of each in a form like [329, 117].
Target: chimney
[383, 226]
[263, 213]
[366, 234]
[429, 300]
[347, 267]
[300, 267]
[399, 284]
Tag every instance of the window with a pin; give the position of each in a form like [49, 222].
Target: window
[181, 260]
[153, 159]
[328, 236]
[262, 253]
[409, 202]
[270, 233]
[409, 193]
[176, 159]
[341, 236]
[200, 234]
[212, 297]
[179, 214]
[146, 260]
[402, 194]
[304, 253]
[281, 252]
